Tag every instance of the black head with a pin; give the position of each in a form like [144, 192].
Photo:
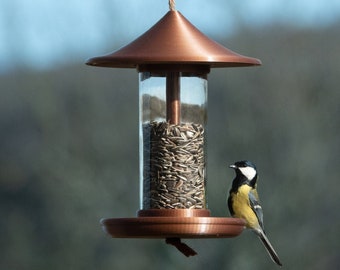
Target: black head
[246, 169]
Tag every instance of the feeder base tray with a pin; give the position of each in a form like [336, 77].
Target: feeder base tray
[181, 223]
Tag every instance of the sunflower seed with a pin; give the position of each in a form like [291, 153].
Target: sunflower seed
[173, 166]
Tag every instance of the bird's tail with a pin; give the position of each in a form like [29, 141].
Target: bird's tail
[269, 247]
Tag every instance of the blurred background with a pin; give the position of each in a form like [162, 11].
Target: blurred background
[69, 132]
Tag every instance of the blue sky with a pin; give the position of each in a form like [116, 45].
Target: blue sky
[45, 33]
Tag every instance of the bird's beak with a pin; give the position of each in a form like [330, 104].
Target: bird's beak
[233, 166]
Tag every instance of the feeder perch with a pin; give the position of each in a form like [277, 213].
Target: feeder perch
[173, 59]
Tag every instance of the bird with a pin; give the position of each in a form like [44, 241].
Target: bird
[243, 202]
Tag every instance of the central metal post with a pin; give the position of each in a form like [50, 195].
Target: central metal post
[173, 100]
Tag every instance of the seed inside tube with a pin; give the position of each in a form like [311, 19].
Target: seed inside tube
[174, 161]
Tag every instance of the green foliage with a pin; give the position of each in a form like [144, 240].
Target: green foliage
[69, 156]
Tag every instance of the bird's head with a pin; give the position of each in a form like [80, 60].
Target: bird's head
[245, 168]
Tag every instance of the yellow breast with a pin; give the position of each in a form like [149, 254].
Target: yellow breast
[241, 207]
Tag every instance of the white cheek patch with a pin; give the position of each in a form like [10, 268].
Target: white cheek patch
[248, 172]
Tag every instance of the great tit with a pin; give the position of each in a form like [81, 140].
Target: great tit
[243, 202]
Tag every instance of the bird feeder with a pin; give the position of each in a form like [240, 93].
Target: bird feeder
[173, 59]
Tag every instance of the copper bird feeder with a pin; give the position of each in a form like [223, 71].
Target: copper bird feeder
[173, 59]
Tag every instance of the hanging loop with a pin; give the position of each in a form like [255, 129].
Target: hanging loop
[172, 5]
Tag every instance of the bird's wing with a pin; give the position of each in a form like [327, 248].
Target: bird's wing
[256, 207]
